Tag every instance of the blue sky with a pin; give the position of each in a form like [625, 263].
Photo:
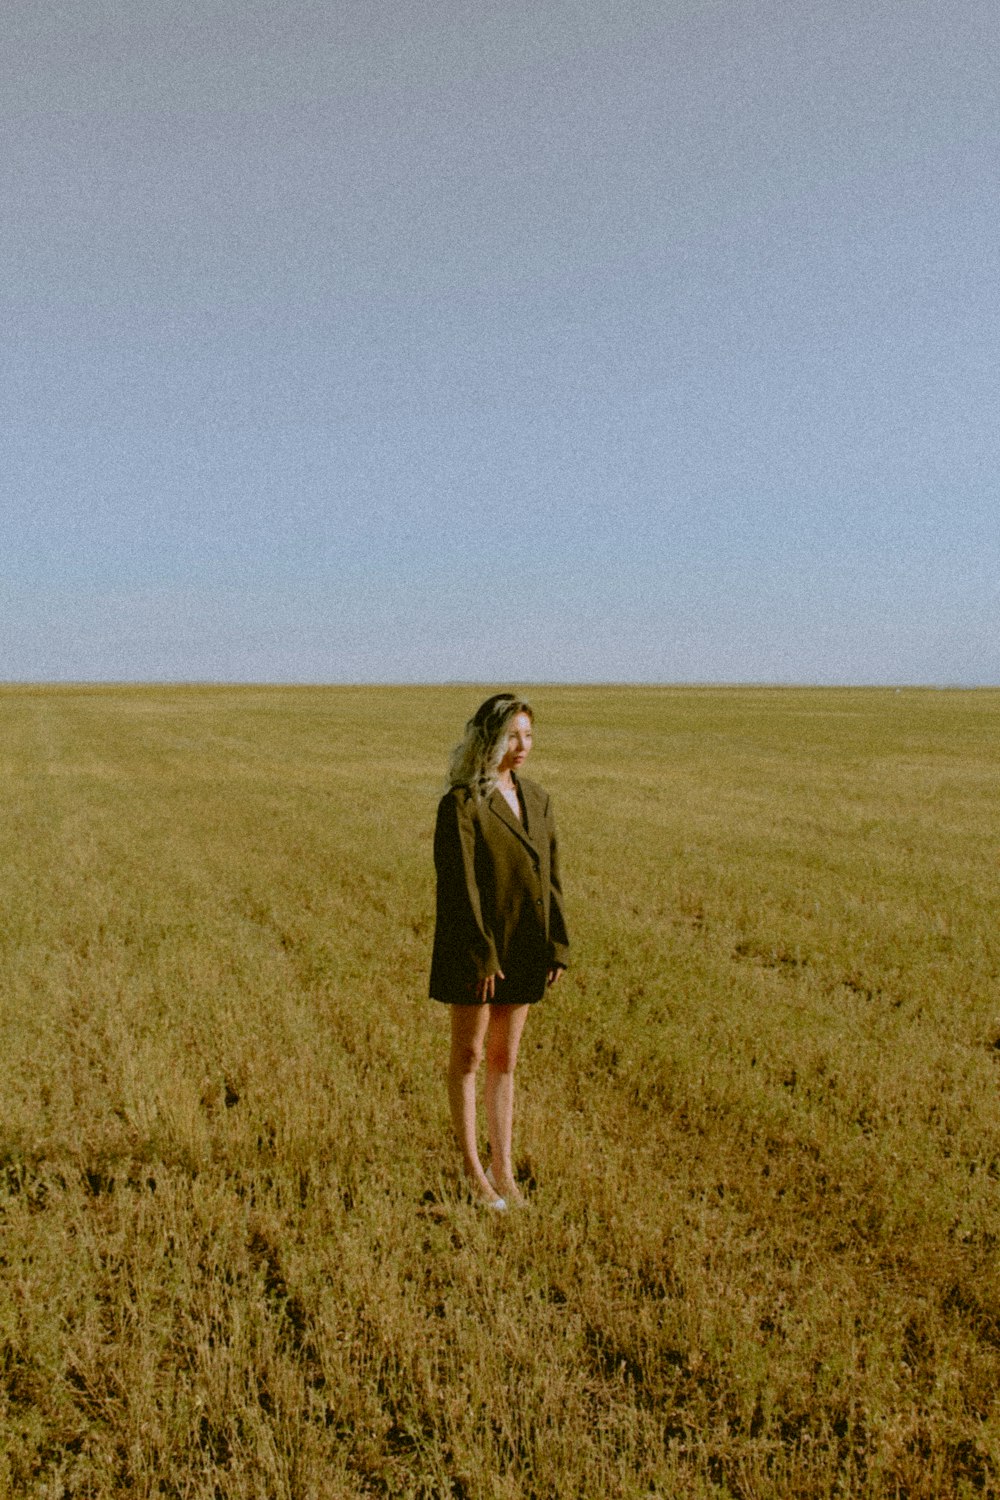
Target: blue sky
[433, 341]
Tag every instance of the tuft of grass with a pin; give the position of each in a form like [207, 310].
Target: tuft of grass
[759, 1119]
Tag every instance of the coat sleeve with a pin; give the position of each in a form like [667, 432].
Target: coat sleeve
[459, 908]
[558, 936]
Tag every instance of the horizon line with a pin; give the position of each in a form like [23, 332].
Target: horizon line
[701, 684]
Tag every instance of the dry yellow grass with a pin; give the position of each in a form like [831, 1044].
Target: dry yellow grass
[760, 1117]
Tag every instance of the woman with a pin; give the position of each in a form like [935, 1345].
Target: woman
[500, 939]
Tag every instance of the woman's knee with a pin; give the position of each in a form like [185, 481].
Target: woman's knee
[503, 1039]
[501, 1057]
[465, 1058]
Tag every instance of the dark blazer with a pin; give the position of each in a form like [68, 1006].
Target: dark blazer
[499, 900]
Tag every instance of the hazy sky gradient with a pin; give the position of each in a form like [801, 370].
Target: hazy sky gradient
[422, 341]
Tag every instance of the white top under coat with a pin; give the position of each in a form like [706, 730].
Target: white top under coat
[509, 794]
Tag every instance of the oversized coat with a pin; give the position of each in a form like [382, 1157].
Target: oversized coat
[499, 900]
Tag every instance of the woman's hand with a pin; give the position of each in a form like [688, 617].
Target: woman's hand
[555, 974]
[485, 987]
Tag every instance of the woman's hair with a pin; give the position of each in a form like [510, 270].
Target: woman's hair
[475, 763]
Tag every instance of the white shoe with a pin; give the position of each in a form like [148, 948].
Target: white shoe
[519, 1202]
[498, 1204]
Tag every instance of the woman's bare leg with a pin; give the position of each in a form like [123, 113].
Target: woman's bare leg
[468, 1030]
[502, 1042]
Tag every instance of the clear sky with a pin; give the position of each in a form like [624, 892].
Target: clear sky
[417, 340]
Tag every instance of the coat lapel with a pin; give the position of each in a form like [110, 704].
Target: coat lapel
[498, 804]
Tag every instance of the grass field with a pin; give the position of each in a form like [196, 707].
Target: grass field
[759, 1119]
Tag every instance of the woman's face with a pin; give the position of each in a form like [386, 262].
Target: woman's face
[518, 743]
